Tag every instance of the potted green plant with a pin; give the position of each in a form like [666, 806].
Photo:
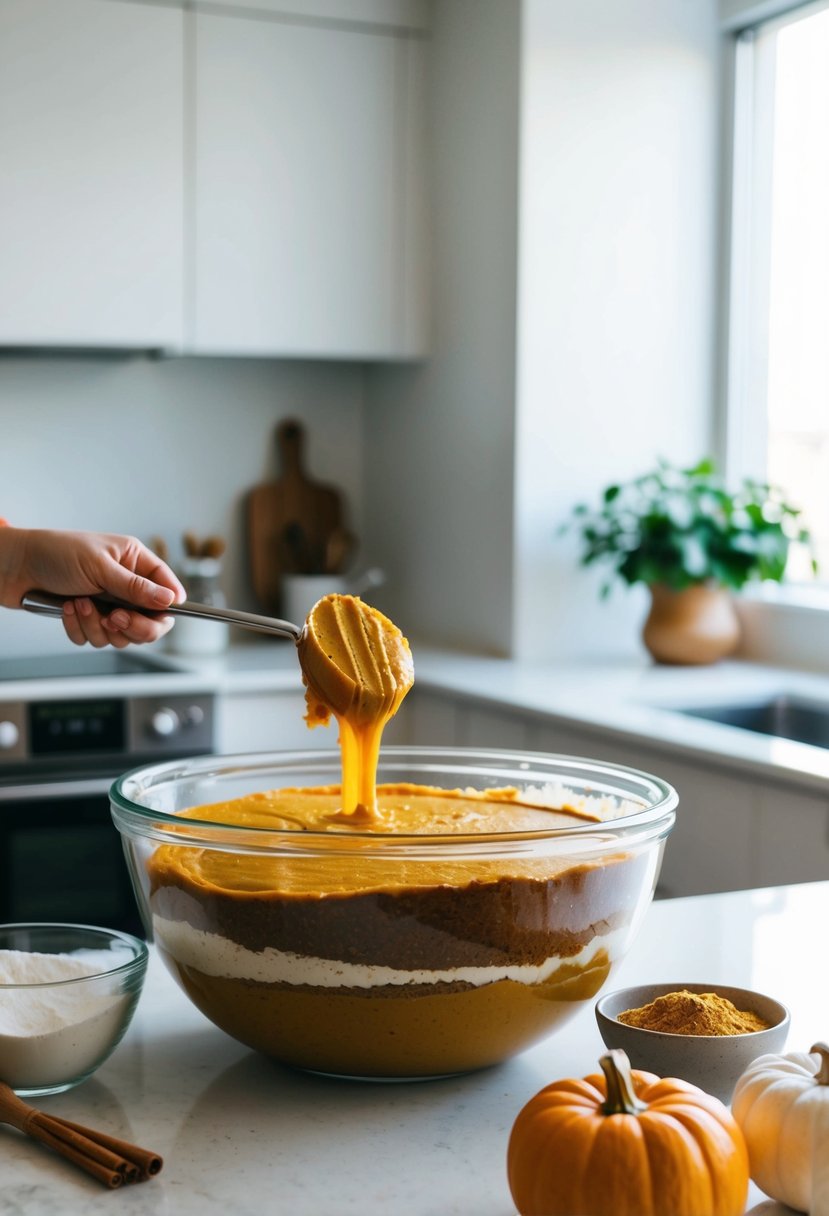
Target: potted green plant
[691, 542]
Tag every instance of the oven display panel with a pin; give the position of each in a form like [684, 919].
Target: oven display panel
[57, 727]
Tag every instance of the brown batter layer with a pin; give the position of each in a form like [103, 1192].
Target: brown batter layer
[380, 910]
[478, 925]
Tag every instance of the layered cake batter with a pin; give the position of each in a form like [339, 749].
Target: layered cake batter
[403, 930]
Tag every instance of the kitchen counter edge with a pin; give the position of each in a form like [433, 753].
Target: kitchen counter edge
[625, 699]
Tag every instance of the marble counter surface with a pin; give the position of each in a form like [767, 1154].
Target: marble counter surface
[243, 1135]
[631, 699]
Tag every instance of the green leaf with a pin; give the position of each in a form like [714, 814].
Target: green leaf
[681, 526]
[704, 468]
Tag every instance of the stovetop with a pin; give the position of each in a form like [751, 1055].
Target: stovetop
[55, 724]
[85, 663]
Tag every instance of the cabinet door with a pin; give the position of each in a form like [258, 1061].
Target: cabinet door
[482, 726]
[302, 227]
[792, 837]
[267, 722]
[91, 173]
[710, 846]
[432, 720]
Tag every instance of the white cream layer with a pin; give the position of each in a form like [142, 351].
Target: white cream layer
[215, 955]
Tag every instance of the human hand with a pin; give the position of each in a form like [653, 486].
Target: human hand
[82, 564]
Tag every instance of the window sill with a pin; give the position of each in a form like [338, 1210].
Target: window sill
[785, 625]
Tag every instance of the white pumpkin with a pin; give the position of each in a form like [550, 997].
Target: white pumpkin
[781, 1104]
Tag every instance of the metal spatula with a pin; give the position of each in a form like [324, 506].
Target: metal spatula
[46, 604]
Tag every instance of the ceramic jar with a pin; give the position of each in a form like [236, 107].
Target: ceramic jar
[201, 578]
[696, 625]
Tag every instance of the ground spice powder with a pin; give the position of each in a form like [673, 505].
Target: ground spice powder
[684, 1012]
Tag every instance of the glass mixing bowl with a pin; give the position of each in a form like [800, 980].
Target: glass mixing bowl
[388, 956]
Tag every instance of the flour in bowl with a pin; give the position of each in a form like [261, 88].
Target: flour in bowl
[53, 1031]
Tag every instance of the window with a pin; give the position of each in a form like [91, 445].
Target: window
[778, 372]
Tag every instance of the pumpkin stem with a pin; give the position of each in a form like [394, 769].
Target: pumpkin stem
[621, 1096]
[822, 1076]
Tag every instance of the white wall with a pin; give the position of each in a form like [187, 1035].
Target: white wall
[735, 14]
[617, 290]
[440, 437]
[601, 239]
[591, 130]
[158, 448]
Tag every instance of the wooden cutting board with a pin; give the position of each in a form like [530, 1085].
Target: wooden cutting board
[290, 521]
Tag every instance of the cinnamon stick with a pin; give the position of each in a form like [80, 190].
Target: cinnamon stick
[146, 1162]
[112, 1161]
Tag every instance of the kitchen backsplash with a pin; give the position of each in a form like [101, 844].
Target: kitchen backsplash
[160, 447]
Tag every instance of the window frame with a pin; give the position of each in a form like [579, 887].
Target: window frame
[744, 433]
[775, 614]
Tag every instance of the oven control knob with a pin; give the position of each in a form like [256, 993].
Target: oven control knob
[165, 723]
[9, 735]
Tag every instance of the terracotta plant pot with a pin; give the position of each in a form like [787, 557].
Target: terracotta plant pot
[696, 625]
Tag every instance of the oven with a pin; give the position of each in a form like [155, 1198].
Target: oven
[60, 855]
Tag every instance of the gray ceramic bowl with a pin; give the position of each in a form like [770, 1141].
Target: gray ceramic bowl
[713, 1062]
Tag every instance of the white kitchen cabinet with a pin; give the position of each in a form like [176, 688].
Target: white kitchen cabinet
[484, 727]
[266, 722]
[406, 14]
[792, 837]
[430, 719]
[710, 846]
[275, 721]
[91, 174]
[307, 215]
[733, 830]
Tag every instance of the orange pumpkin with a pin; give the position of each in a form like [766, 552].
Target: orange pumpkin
[626, 1144]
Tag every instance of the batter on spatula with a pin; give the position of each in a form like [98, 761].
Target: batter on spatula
[356, 665]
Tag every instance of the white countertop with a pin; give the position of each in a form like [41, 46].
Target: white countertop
[243, 1135]
[638, 700]
[266, 666]
[626, 699]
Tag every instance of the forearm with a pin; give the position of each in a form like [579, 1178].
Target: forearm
[12, 566]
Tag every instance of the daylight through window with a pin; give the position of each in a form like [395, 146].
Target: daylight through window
[779, 363]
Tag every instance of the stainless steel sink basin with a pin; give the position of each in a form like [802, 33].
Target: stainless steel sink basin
[785, 717]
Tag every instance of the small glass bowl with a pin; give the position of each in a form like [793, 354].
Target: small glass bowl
[55, 1032]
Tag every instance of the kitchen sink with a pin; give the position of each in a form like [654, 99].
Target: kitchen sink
[784, 717]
